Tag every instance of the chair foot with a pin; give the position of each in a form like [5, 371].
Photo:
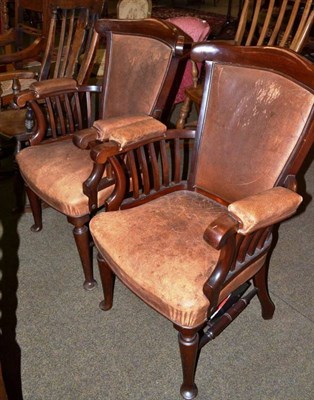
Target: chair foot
[90, 285]
[105, 307]
[190, 393]
[36, 228]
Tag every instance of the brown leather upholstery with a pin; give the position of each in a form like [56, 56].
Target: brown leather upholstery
[170, 237]
[254, 120]
[136, 95]
[263, 209]
[127, 130]
[56, 172]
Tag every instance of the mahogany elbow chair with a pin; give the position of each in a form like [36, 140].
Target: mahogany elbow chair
[135, 95]
[184, 246]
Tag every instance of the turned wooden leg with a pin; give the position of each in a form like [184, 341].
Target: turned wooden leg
[35, 204]
[188, 342]
[84, 247]
[184, 112]
[107, 279]
[261, 283]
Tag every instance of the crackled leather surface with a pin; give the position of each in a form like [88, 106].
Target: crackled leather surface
[148, 59]
[129, 129]
[254, 120]
[159, 252]
[56, 172]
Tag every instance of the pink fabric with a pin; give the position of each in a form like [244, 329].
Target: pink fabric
[198, 30]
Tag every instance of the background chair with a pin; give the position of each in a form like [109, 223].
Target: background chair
[187, 247]
[57, 35]
[134, 9]
[198, 30]
[136, 92]
[70, 35]
[263, 24]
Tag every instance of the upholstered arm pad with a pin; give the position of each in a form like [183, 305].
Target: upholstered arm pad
[53, 87]
[129, 129]
[264, 209]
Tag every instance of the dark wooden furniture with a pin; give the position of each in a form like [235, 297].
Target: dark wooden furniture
[184, 246]
[262, 23]
[136, 92]
[59, 44]
[70, 35]
[3, 393]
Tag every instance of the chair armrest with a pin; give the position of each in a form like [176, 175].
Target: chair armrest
[53, 87]
[48, 88]
[84, 138]
[28, 53]
[264, 209]
[8, 76]
[129, 129]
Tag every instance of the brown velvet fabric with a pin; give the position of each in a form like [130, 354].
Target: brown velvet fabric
[56, 172]
[44, 88]
[129, 129]
[12, 122]
[134, 75]
[159, 252]
[254, 120]
[265, 208]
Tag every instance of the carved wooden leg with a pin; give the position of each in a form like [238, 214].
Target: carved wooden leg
[184, 112]
[35, 204]
[260, 282]
[84, 247]
[188, 342]
[107, 280]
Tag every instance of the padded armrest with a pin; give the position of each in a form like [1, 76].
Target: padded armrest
[53, 86]
[264, 209]
[129, 129]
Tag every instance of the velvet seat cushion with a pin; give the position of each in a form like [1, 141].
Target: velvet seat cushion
[158, 251]
[56, 172]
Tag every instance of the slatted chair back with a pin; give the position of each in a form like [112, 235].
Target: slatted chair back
[4, 16]
[286, 26]
[70, 35]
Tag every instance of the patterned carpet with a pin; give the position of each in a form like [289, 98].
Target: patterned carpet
[215, 21]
